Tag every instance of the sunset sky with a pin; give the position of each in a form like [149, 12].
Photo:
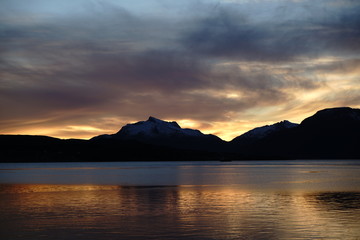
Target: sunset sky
[80, 68]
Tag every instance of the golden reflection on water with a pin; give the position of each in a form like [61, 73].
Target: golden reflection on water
[174, 212]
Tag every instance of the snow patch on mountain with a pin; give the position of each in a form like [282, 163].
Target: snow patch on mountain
[262, 132]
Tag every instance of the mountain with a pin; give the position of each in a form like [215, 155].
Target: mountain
[342, 117]
[159, 132]
[329, 133]
[153, 128]
[263, 132]
[33, 148]
[27, 148]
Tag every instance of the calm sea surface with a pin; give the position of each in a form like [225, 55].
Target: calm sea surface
[181, 200]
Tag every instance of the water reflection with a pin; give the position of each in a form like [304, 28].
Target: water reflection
[338, 200]
[174, 212]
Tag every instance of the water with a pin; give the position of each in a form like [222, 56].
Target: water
[181, 200]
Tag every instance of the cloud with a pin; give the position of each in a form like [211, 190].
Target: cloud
[230, 33]
[167, 84]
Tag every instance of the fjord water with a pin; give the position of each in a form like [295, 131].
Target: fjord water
[181, 200]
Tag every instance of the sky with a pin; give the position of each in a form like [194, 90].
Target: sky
[81, 68]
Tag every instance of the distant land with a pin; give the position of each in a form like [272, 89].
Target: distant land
[332, 133]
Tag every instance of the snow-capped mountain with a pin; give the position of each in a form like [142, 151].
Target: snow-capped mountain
[154, 128]
[329, 133]
[159, 132]
[264, 131]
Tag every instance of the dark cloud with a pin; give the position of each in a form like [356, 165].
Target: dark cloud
[341, 31]
[228, 34]
[151, 70]
[169, 84]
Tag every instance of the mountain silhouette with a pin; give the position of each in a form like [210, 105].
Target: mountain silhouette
[159, 132]
[263, 132]
[329, 134]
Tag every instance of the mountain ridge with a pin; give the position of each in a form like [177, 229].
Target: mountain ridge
[160, 132]
[264, 131]
[328, 134]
